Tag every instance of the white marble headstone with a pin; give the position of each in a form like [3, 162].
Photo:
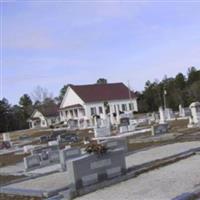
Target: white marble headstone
[102, 132]
[28, 148]
[6, 137]
[162, 116]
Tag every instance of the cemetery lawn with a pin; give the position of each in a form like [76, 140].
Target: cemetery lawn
[11, 159]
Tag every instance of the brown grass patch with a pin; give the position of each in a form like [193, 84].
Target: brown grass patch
[17, 197]
[8, 178]
[144, 145]
[11, 159]
[178, 124]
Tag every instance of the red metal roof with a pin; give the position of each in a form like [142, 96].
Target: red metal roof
[102, 92]
[50, 110]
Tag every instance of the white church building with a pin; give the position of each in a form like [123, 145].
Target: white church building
[82, 103]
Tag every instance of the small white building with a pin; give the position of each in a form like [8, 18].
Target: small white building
[83, 103]
[44, 116]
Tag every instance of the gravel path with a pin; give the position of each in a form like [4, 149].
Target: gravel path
[47, 169]
[50, 182]
[161, 184]
[159, 152]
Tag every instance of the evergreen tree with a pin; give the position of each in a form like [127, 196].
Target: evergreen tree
[62, 92]
[102, 81]
[25, 101]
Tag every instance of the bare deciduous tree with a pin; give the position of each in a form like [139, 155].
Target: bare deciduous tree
[41, 94]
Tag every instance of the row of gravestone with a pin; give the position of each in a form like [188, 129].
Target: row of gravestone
[51, 155]
[42, 156]
[194, 119]
[59, 137]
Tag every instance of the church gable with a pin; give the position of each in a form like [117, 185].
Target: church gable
[70, 98]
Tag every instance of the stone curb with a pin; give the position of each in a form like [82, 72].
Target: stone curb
[195, 195]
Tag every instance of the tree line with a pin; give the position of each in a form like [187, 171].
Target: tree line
[183, 89]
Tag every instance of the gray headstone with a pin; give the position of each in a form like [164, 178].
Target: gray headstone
[44, 157]
[89, 179]
[112, 172]
[160, 129]
[44, 139]
[67, 154]
[42, 149]
[54, 156]
[114, 144]
[32, 161]
[102, 132]
[124, 121]
[89, 169]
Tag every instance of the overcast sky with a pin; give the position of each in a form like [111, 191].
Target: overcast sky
[54, 43]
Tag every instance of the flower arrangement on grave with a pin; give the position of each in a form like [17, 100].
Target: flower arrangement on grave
[98, 149]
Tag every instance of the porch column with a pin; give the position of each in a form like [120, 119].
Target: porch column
[118, 115]
[31, 124]
[111, 114]
[74, 113]
[71, 114]
[127, 106]
[65, 117]
[104, 112]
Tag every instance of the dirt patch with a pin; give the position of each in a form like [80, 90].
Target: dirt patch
[11, 159]
[14, 197]
[84, 133]
[38, 133]
[144, 145]
[8, 178]
[189, 130]
[178, 124]
[183, 138]
[29, 132]
[41, 132]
